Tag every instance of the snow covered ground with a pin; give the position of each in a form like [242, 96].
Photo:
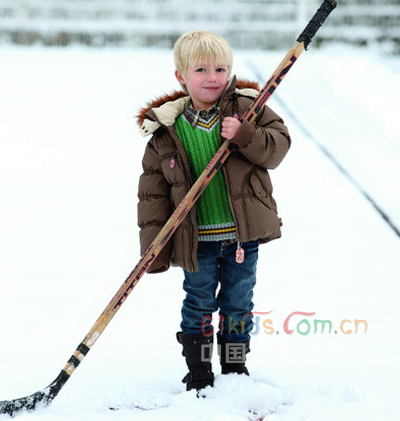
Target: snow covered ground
[70, 158]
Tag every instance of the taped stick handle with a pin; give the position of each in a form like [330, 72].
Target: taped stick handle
[316, 22]
[292, 55]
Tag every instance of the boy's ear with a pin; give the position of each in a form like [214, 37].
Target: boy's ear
[179, 78]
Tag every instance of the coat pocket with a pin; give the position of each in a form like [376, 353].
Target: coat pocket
[172, 168]
[261, 192]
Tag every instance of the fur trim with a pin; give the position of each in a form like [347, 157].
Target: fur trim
[247, 84]
[252, 93]
[156, 103]
[166, 115]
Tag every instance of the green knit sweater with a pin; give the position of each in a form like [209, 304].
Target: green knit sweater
[199, 134]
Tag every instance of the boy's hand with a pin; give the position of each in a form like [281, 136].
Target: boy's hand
[230, 126]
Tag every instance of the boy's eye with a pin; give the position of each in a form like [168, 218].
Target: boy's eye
[221, 69]
[200, 69]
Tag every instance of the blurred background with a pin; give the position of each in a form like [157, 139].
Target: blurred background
[261, 24]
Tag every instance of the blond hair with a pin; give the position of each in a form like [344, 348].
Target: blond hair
[195, 46]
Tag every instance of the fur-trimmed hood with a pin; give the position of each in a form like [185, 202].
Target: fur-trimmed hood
[164, 110]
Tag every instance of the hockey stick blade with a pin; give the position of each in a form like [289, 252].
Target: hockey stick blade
[39, 399]
[47, 395]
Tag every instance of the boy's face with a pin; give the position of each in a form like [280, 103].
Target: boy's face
[205, 83]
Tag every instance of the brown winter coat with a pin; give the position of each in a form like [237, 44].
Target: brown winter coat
[161, 188]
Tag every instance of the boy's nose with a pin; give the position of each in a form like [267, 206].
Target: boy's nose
[212, 75]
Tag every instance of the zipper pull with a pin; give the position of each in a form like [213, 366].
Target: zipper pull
[239, 253]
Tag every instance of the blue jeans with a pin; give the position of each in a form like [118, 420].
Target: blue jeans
[217, 266]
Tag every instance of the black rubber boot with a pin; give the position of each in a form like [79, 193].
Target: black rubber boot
[233, 356]
[197, 349]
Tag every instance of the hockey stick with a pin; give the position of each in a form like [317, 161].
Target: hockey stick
[45, 397]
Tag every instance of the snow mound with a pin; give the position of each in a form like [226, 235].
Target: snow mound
[233, 397]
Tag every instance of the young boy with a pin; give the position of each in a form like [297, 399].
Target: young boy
[217, 243]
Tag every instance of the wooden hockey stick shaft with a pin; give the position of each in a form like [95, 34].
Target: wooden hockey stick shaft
[45, 396]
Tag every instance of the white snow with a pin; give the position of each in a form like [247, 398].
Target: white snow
[70, 157]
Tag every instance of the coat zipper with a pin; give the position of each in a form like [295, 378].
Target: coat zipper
[189, 178]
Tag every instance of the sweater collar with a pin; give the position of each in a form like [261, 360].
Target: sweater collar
[194, 116]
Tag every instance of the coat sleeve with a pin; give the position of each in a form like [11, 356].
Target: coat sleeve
[154, 208]
[267, 142]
